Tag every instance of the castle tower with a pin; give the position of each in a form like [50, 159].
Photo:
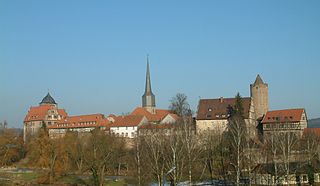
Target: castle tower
[260, 96]
[148, 98]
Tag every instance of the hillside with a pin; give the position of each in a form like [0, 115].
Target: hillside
[314, 123]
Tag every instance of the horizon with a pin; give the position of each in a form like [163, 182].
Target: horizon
[92, 56]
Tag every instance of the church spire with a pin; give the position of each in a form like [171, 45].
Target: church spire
[148, 98]
[148, 81]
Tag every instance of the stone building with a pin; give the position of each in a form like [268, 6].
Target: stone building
[260, 97]
[213, 114]
[46, 114]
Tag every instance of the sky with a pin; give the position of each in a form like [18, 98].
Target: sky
[91, 55]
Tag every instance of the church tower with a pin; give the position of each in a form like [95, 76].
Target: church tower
[148, 98]
[259, 95]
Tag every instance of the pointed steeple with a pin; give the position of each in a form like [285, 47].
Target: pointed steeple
[258, 80]
[148, 98]
[148, 81]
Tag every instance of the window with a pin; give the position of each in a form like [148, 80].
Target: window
[209, 109]
[208, 115]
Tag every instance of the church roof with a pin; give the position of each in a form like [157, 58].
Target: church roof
[48, 100]
[217, 109]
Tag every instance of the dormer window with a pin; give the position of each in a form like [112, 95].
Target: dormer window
[208, 115]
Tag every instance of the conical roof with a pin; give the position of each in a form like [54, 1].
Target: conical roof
[258, 80]
[48, 100]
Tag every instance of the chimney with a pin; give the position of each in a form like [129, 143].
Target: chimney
[221, 99]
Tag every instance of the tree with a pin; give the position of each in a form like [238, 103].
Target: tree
[287, 143]
[101, 152]
[272, 147]
[236, 134]
[154, 146]
[180, 106]
[11, 147]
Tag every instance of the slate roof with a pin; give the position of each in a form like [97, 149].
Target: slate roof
[48, 100]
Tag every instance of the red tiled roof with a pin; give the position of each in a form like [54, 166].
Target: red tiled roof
[127, 121]
[38, 113]
[216, 109]
[282, 116]
[315, 131]
[82, 121]
[158, 116]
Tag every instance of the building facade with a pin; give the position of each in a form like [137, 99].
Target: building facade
[288, 120]
[80, 124]
[213, 114]
[46, 114]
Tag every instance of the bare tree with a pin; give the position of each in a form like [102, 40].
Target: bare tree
[272, 147]
[180, 106]
[287, 142]
[154, 145]
[236, 132]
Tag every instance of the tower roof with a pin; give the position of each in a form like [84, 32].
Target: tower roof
[148, 98]
[148, 89]
[47, 100]
[258, 80]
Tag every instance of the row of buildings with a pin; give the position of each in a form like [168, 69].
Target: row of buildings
[212, 114]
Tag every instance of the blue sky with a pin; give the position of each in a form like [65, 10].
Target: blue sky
[91, 55]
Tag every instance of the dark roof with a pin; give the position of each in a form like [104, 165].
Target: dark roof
[214, 109]
[48, 100]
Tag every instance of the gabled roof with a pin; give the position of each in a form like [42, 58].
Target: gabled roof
[128, 121]
[157, 117]
[81, 121]
[283, 116]
[48, 100]
[38, 113]
[216, 109]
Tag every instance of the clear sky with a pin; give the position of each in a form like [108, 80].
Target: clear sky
[91, 55]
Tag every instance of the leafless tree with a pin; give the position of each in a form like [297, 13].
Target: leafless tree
[287, 143]
[236, 131]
